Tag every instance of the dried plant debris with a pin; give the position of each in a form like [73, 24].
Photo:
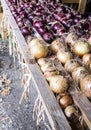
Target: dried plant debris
[1, 63]
[5, 89]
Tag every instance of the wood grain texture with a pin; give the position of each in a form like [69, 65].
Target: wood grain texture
[70, 1]
[83, 103]
[53, 110]
[82, 6]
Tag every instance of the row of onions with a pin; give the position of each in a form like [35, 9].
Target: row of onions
[58, 82]
[50, 18]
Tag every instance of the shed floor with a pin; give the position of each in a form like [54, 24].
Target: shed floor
[12, 115]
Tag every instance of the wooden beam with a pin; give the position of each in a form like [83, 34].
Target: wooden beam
[70, 1]
[83, 103]
[82, 6]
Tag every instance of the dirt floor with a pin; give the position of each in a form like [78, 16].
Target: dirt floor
[12, 115]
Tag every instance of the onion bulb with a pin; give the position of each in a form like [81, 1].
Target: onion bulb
[65, 101]
[81, 47]
[58, 84]
[85, 85]
[87, 58]
[63, 56]
[56, 45]
[36, 41]
[71, 113]
[70, 65]
[79, 73]
[71, 39]
[89, 40]
[42, 61]
[49, 74]
[37, 49]
[47, 66]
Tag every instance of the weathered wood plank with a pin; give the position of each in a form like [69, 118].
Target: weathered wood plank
[82, 6]
[83, 103]
[53, 110]
[70, 1]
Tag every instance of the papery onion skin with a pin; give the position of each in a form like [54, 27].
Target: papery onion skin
[69, 111]
[86, 59]
[58, 84]
[89, 40]
[45, 66]
[71, 39]
[49, 74]
[79, 73]
[56, 45]
[65, 101]
[63, 56]
[85, 85]
[36, 41]
[71, 114]
[38, 49]
[81, 48]
[42, 61]
[70, 65]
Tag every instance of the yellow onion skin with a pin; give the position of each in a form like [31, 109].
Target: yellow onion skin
[85, 85]
[86, 59]
[69, 110]
[64, 56]
[36, 41]
[49, 74]
[39, 50]
[56, 45]
[58, 84]
[81, 47]
[79, 73]
[65, 101]
[71, 39]
[71, 114]
[70, 65]
[46, 66]
[89, 40]
[42, 61]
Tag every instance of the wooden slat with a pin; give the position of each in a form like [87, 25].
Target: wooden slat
[53, 110]
[83, 103]
[82, 6]
[70, 1]
[55, 115]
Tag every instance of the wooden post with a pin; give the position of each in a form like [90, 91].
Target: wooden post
[82, 6]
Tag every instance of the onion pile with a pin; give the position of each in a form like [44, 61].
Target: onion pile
[50, 19]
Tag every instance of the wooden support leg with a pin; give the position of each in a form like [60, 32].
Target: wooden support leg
[4, 27]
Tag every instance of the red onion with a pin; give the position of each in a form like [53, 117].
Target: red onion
[48, 37]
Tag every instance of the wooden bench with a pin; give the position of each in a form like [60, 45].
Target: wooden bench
[81, 4]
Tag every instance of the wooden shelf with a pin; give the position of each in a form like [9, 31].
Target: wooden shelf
[81, 4]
